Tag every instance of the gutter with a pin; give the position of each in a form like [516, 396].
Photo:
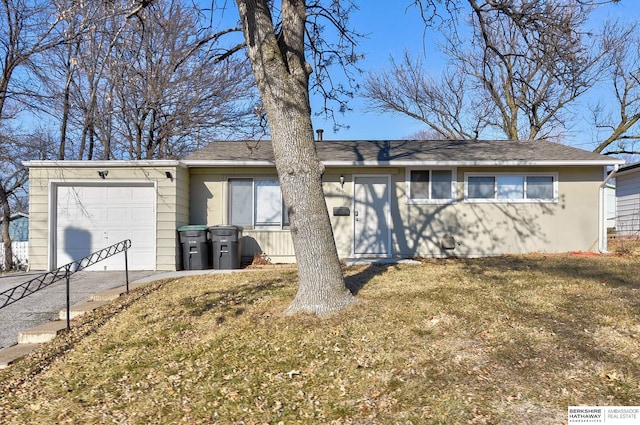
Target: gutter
[105, 164]
[602, 229]
[400, 163]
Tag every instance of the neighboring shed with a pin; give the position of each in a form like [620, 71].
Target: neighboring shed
[610, 206]
[628, 200]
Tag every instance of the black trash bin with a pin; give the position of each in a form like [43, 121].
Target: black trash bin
[226, 246]
[195, 247]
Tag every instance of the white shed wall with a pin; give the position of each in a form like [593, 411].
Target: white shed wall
[628, 203]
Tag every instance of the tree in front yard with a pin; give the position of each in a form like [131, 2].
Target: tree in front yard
[514, 70]
[277, 50]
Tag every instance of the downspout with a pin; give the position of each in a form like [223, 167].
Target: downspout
[602, 229]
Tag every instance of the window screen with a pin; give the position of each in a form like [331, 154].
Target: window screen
[241, 202]
[481, 187]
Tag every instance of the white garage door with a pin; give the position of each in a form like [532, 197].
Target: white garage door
[90, 218]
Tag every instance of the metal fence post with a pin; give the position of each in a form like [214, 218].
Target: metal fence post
[67, 276]
[126, 267]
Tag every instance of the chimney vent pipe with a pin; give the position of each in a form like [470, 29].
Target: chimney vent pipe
[319, 132]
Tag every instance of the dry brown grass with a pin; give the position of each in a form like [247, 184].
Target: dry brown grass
[513, 340]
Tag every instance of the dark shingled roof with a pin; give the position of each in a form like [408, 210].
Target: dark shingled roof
[406, 152]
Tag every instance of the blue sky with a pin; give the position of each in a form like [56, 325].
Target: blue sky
[391, 30]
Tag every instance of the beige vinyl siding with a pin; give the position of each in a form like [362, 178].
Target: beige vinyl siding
[200, 196]
[276, 246]
[38, 219]
[495, 228]
[206, 202]
[479, 229]
[209, 206]
[172, 212]
[170, 206]
[182, 211]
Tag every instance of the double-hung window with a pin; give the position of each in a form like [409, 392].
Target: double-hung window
[483, 187]
[256, 203]
[430, 186]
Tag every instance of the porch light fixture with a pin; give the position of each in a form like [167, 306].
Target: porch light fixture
[103, 174]
[342, 181]
[169, 175]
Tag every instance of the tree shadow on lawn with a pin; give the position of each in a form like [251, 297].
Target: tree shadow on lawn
[355, 282]
[598, 267]
[230, 301]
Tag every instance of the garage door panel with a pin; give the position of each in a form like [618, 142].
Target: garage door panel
[140, 239]
[93, 195]
[122, 214]
[142, 210]
[119, 193]
[147, 197]
[90, 218]
[69, 195]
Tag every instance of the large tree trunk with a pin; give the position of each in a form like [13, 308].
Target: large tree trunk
[282, 76]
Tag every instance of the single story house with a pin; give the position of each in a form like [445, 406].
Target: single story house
[628, 200]
[386, 199]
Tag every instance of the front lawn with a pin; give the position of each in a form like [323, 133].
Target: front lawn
[510, 340]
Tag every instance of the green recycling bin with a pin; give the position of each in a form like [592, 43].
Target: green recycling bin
[195, 247]
[226, 246]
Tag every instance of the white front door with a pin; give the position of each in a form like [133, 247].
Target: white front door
[93, 217]
[372, 236]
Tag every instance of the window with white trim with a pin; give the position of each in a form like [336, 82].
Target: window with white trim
[430, 186]
[510, 187]
[256, 203]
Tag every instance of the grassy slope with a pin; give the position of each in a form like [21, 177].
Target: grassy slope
[510, 340]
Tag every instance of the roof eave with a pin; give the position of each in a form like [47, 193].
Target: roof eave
[192, 163]
[105, 164]
[328, 163]
[480, 163]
